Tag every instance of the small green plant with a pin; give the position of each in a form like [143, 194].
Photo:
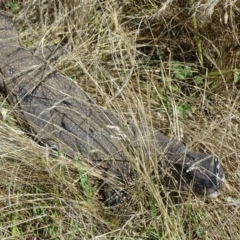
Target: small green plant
[198, 80]
[196, 227]
[27, 43]
[88, 190]
[157, 54]
[183, 110]
[52, 229]
[6, 117]
[13, 6]
[181, 71]
[15, 218]
[10, 120]
[235, 75]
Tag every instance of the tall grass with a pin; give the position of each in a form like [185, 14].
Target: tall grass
[139, 59]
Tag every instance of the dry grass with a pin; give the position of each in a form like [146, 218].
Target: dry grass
[124, 53]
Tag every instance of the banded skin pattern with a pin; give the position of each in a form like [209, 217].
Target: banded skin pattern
[56, 111]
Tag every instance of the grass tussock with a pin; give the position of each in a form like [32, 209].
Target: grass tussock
[171, 65]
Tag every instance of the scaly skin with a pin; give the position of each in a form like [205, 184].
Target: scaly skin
[56, 111]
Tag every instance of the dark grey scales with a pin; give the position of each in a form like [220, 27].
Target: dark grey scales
[58, 112]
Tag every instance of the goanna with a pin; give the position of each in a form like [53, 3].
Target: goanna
[55, 111]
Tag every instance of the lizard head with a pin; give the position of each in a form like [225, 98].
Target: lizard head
[203, 173]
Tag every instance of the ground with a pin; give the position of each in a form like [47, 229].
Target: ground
[173, 66]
